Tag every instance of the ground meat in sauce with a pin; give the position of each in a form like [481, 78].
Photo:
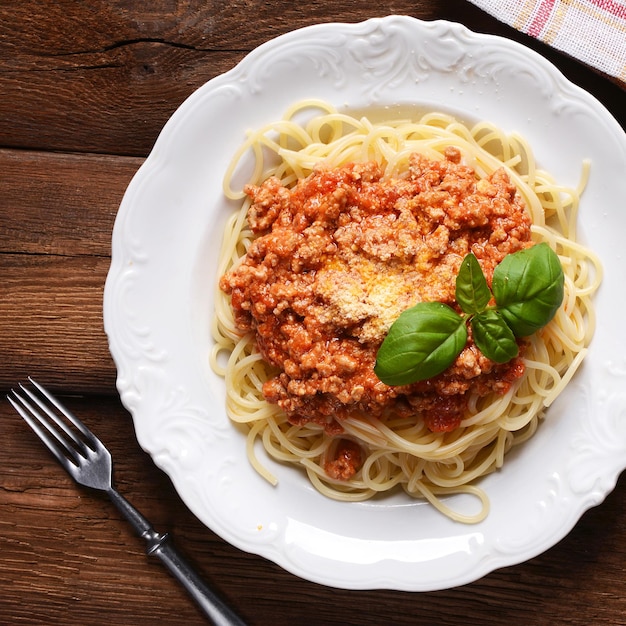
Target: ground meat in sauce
[341, 255]
[345, 460]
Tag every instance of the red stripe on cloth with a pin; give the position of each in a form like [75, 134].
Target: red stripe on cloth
[541, 17]
[618, 9]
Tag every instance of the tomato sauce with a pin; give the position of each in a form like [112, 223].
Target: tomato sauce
[340, 255]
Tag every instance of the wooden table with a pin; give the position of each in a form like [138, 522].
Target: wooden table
[85, 88]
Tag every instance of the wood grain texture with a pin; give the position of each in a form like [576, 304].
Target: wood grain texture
[61, 204]
[56, 221]
[85, 89]
[105, 76]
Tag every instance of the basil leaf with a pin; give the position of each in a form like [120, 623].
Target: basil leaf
[472, 291]
[528, 288]
[421, 343]
[493, 337]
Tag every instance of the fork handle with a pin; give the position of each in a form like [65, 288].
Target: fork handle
[162, 547]
[211, 605]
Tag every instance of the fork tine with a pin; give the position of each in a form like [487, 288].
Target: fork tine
[46, 409]
[50, 437]
[76, 448]
[79, 425]
[62, 441]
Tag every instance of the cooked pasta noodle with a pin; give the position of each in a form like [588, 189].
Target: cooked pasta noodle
[403, 452]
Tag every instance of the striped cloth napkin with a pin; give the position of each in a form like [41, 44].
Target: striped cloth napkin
[592, 31]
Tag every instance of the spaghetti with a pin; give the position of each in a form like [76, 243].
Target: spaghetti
[399, 449]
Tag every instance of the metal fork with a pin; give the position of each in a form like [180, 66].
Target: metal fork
[89, 463]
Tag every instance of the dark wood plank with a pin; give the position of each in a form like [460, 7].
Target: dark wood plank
[63, 204]
[51, 312]
[105, 77]
[55, 243]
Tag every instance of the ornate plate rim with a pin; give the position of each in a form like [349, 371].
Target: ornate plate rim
[158, 340]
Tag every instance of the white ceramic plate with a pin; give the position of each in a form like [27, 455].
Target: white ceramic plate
[158, 303]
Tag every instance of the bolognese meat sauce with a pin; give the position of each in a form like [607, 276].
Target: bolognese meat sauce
[341, 254]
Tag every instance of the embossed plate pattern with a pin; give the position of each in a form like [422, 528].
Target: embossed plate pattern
[158, 303]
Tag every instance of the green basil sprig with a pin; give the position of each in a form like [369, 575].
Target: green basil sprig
[421, 343]
[527, 289]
